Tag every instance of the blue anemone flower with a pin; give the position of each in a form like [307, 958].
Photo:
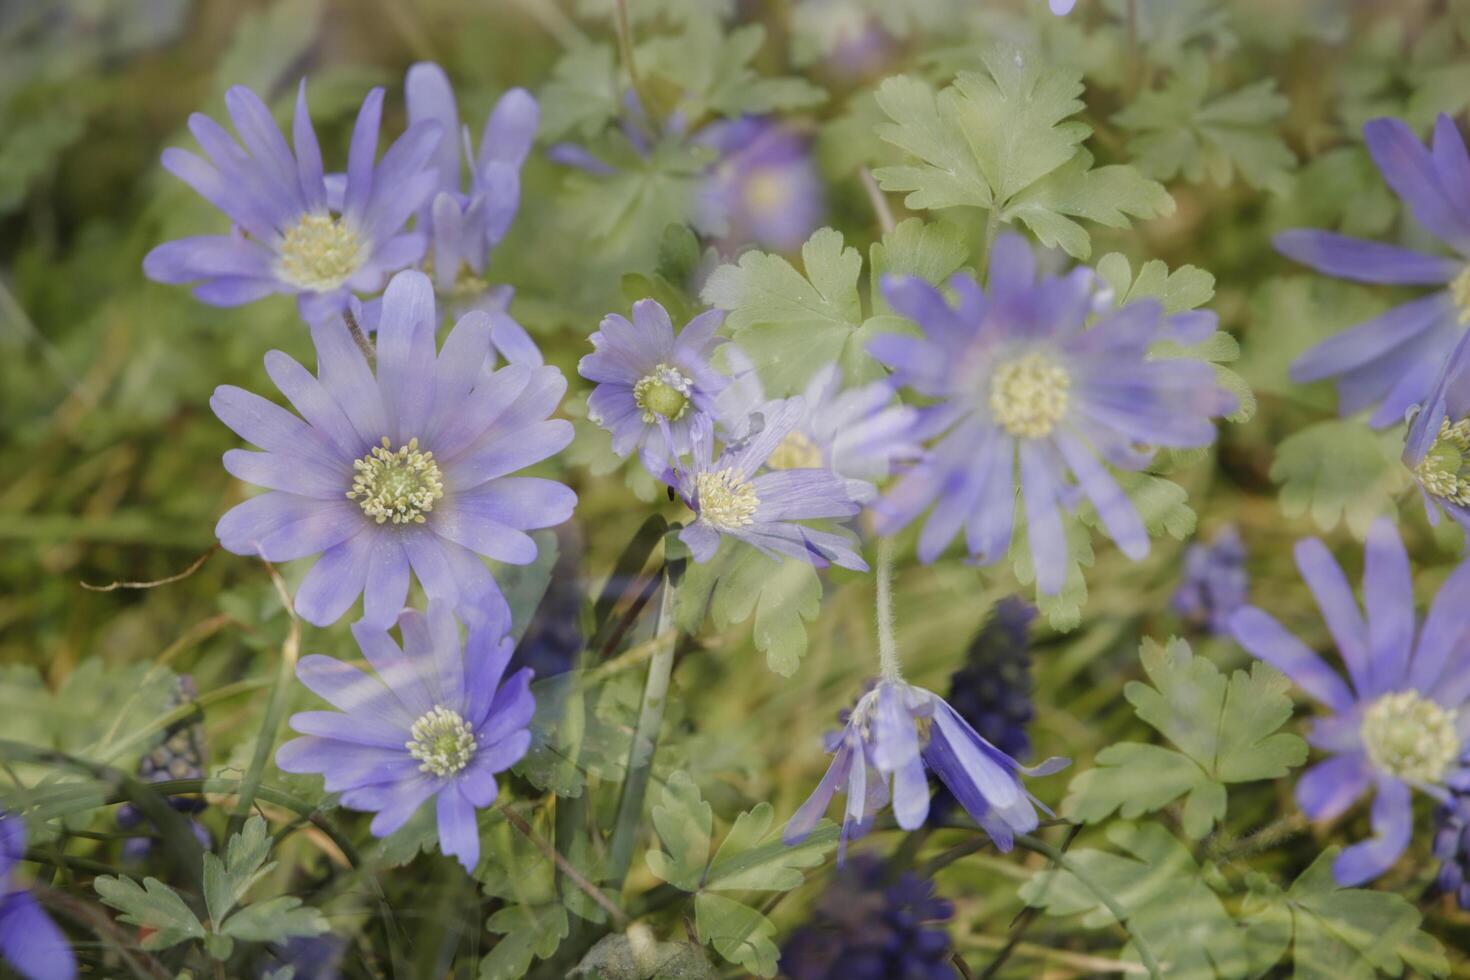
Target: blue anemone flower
[296, 230]
[1215, 582]
[763, 188]
[29, 941]
[1399, 722]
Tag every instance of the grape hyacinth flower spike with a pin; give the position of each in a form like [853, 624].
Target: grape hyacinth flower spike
[463, 227]
[652, 385]
[1389, 363]
[30, 943]
[408, 470]
[731, 497]
[438, 722]
[1023, 382]
[1397, 723]
[296, 231]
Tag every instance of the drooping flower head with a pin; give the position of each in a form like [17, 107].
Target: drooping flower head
[463, 226]
[1395, 724]
[1028, 391]
[1215, 582]
[651, 385]
[30, 943]
[1389, 363]
[406, 468]
[291, 235]
[732, 497]
[862, 434]
[763, 188]
[435, 723]
[894, 733]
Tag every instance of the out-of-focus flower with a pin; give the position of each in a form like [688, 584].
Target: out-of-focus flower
[1022, 381]
[763, 189]
[730, 496]
[652, 386]
[1062, 7]
[1452, 847]
[180, 755]
[869, 926]
[553, 639]
[309, 957]
[992, 691]
[1215, 581]
[1396, 727]
[408, 469]
[291, 235]
[29, 941]
[1390, 362]
[464, 226]
[436, 722]
[891, 736]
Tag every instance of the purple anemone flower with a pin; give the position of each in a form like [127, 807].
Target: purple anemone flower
[1390, 362]
[1437, 450]
[408, 469]
[1024, 382]
[763, 189]
[731, 497]
[29, 941]
[464, 226]
[292, 235]
[892, 735]
[437, 722]
[1400, 724]
[652, 386]
[861, 433]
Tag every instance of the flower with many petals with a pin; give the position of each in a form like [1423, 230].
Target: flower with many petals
[1390, 362]
[408, 468]
[763, 188]
[1024, 383]
[29, 941]
[1396, 724]
[292, 234]
[436, 723]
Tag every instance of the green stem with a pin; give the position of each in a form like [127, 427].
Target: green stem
[275, 710]
[887, 645]
[625, 51]
[645, 736]
[992, 229]
[1061, 860]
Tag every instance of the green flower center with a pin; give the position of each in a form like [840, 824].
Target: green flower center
[796, 452]
[320, 253]
[442, 742]
[663, 394]
[397, 486]
[1410, 737]
[1460, 292]
[1444, 471]
[725, 500]
[1028, 396]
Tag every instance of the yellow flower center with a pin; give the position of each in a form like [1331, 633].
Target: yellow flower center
[1460, 292]
[1410, 737]
[1443, 471]
[725, 501]
[768, 190]
[397, 486]
[1028, 396]
[796, 452]
[442, 741]
[320, 253]
[664, 393]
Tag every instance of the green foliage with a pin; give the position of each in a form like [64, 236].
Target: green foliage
[1063, 610]
[152, 905]
[1340, 469]
[1225, 730]
[636, 955]
[534, 920]
[706, 70]
[1000, 140]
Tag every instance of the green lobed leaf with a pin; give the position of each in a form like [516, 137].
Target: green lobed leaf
[153, 905]
[685, 823]
[1340, 469]
[738, 932]
[226, 882]
[275, 920]
[528, 932]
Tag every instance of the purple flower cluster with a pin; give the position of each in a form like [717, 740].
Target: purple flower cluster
[1215, 582]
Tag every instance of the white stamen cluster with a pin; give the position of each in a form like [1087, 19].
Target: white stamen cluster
[320, 253]
[1028, 396]
[796, 452]
[397, 486]
[726, 501]
[664, 392]
[442, 741]
[1410, 737]
[1443, 471]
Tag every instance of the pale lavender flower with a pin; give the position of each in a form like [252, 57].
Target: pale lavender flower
[1024, 382]
[763, 188]
[730, 496]
[651, 385]
[1389, 363]
[410, 469]
[1437, 449]
[1400, 725]
[29, 941]
[1062, 7]
[292, 235]
[436, 723]
[893, 734]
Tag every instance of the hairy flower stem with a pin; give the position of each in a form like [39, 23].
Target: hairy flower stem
[645, 735]
[359, 338]
[887, 646]
[1039, 846]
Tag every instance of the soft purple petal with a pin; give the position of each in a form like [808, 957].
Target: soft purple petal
[1393, 822]
[1265, 638]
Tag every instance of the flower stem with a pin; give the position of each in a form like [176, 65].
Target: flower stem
[887, 646]
[359, 338]
[1061, 860]
[645, 735]
[625, 51]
